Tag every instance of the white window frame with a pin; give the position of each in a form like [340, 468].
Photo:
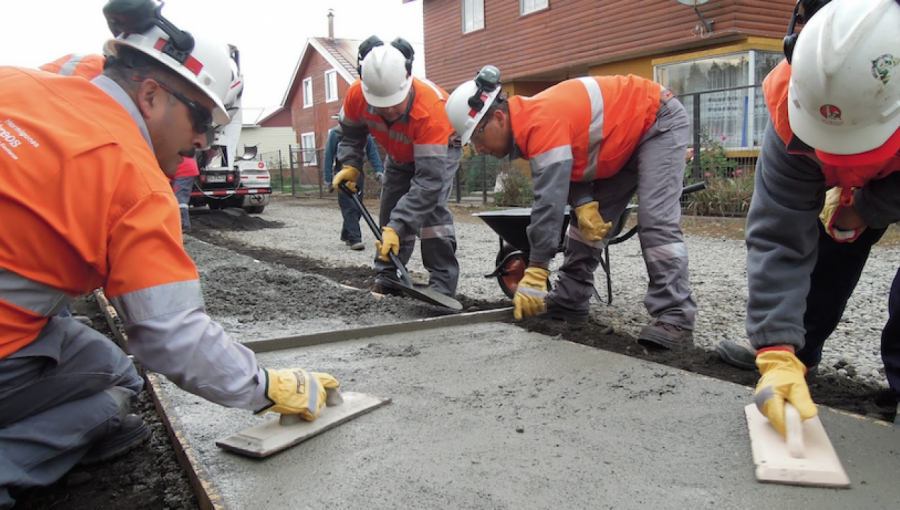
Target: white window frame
[472, 15]
[530, 6]
[307, 92]
[331, 86]
[308, 149]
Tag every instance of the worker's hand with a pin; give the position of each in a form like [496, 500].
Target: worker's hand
[390, 242]
[347, 173]
[379, 176]
[783, 379]
[590, 222]
[296, 391]
[529, 298]
[841, 221]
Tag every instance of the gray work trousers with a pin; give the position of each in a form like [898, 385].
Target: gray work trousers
[54, 405]
[656, 172]
[437, 235]
[182, 187]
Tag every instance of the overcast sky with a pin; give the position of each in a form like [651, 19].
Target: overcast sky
[269, 33]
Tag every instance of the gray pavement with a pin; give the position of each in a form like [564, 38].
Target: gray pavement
[489, 416]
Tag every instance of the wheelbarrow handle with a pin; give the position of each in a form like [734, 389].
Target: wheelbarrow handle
[404, 275]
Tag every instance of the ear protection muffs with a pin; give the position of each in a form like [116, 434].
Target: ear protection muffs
[364, 48]
[406, 49]
[790, 40]
[138, 16]
[374, 41]
[487, 80]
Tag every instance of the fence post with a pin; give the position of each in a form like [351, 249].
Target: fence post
[695, 171]
[483, 179]
[291, 160]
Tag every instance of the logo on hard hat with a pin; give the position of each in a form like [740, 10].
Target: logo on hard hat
[882, 67]
[831, 114]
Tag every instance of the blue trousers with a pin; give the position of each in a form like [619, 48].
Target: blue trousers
[350, 230]
[56, 401]
[837, 271]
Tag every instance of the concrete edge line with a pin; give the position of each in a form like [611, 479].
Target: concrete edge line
[342, 335]
[207, 496]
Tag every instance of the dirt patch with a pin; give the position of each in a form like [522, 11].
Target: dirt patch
[229, 219]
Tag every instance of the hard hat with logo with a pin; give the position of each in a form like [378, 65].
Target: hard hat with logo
[472, 100]
[204, 63]
[844, 94]
[386, 72]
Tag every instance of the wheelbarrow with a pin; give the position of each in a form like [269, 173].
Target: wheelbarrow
[512, 258]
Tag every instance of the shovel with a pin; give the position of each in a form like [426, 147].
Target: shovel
[404, 283]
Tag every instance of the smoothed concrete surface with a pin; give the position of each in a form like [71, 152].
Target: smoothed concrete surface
[489, 416]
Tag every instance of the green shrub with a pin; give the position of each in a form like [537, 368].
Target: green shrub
[729, 187]
[516, 191]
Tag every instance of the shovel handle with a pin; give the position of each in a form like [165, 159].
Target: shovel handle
[404, 275]
[794, 425]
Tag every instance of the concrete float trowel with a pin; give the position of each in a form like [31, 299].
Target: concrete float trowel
[289, 429]
[403, 282]
[805, 457]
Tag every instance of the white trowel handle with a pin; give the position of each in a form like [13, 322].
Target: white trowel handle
[794, 426]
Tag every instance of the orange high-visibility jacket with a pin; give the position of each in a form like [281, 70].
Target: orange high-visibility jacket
[76, 64]
[775, 90]
[600, 119]
[427, 123]
[83, 201]
[84, 204]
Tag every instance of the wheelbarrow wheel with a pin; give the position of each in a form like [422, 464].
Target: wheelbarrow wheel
[511, 271]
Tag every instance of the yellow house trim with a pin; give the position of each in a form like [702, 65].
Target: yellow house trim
[751, 43]
[742, 153]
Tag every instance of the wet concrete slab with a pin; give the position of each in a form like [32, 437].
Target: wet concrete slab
[488, 416]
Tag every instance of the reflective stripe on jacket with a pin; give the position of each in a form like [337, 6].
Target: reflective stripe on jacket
[775, 90]
[76, 64]
[596, 122]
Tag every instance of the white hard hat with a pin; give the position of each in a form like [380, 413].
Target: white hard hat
[207, 66]
[467, 105]
[386, 76]
[844, 94]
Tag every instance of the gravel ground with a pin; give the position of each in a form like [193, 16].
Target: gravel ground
[311, 228]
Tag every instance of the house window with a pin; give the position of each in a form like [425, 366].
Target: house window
[308, 144]
[529, 6]
[735, 118]
[307, 93]
[472, 15]
[331, 93]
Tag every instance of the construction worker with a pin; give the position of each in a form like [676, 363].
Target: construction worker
[592, 143]
[833, 106]
[406, 116]
[86, 202]
[182, 184]
[351, 234]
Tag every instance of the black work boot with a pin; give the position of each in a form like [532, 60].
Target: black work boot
[130, 434]
[665, 335]
[385, 286]
[561, 313]
[737, 355]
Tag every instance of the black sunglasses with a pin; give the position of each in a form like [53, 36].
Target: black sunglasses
[201, 117]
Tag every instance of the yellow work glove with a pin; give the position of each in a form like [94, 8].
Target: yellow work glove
[830, 211]
[529, 298]
[296, 391]
[349, 174]
[590, 222]
[389, 243]
[783, 379]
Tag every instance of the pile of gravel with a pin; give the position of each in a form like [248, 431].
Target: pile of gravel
[717, 267]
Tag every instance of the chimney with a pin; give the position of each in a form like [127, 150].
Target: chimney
[331, 24]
